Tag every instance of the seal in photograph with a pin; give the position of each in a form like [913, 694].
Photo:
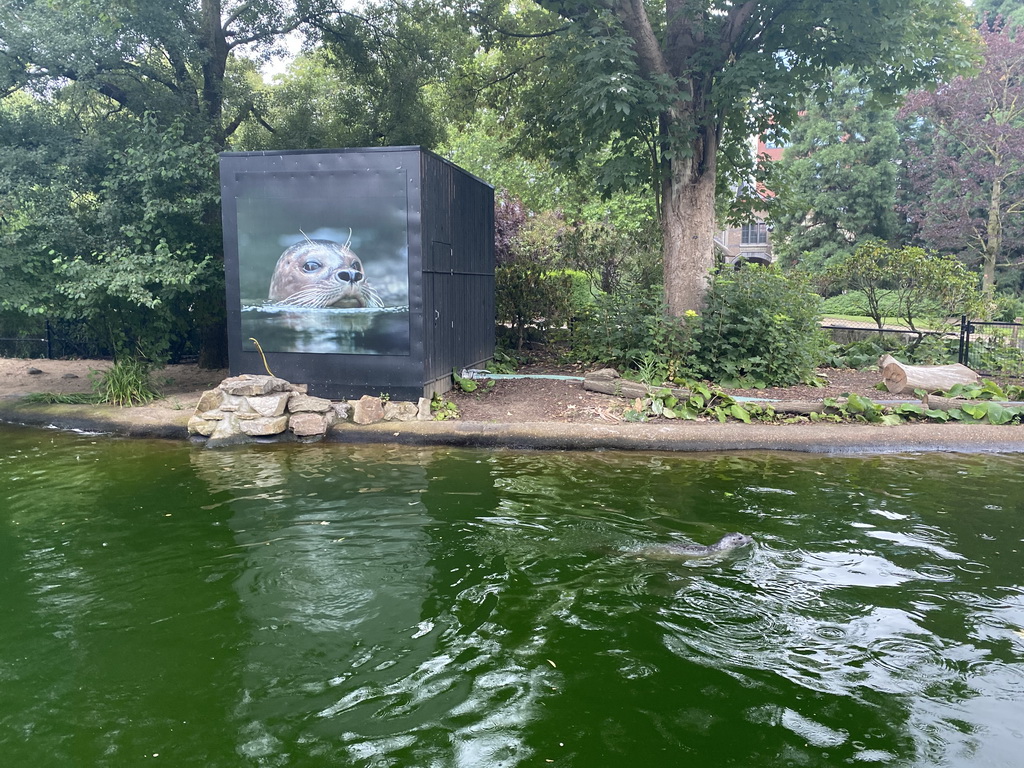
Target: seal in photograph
[321, 273]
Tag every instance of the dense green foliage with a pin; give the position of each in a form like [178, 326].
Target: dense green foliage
[530, 296]
[113, 115]
[611, 125]
[908, 283]
[620, 329]
[760, 328]
[839, 176]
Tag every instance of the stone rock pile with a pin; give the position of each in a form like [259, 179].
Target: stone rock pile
[245, 407]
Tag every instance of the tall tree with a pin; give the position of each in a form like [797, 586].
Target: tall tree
[116, 75]
[840, 173]
[692, 79]
[169, 58]
[966, 163]
[367, 78]
[1009, 12]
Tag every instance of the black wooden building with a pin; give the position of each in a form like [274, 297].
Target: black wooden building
[404, 235]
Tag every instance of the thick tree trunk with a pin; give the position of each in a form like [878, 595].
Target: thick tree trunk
[688, 227]
[214, 67]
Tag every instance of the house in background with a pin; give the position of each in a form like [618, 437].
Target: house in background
[750, 242]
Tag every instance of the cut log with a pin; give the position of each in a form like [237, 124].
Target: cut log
[796, 407]
[627, 388]
[900, 377]
[937, 403]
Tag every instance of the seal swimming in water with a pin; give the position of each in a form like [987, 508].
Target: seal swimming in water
[724, 544]
[321, 273]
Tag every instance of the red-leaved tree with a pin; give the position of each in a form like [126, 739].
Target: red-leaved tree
[965, 170]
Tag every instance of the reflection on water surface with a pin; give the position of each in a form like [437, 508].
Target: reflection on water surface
[393, 606]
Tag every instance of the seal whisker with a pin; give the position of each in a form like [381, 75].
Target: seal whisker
[371, 295]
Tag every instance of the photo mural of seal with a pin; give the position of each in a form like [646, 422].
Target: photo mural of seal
[321, 273]
[728, 542]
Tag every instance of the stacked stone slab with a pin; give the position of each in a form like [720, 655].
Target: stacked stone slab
[242, 408]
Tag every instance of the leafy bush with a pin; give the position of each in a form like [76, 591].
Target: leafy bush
[619, 329]
[932, 350]
[855, 303]
[529, 295]
[1008, 308]
[616, 257]
[860, 354]
[923, 285]
[759, 327]
[583, 293]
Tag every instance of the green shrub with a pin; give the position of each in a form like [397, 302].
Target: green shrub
[855, 303]
[759, 327]
[859, 354]
[1008, 308]
[619, 329]
[582, 293]
[931, 350]
[529, 295]
[924, 285]
[126, 384]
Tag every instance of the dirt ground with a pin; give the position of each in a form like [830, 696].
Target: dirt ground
[531, 400]
[180, 385]
[515, 400]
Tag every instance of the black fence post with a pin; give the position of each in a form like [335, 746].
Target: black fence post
[962, 353]
[49, 340]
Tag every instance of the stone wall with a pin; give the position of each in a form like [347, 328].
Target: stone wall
[243, 408]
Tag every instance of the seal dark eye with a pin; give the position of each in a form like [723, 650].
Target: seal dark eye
[311, 266]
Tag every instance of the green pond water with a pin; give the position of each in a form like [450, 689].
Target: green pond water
[289, 605]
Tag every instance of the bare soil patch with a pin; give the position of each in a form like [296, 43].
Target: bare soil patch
[531, 400]
[508, 400]
[179, 385]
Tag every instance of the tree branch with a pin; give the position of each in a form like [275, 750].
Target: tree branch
[735, 25]
[634, 20]
[233, 16]
[524, 35]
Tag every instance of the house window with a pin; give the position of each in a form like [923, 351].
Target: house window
[754, 234]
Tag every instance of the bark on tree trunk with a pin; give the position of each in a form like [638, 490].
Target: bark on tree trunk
[214, 66]
[688, 228]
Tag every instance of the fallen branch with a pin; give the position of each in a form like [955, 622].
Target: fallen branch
[607, 384]
[938, 403]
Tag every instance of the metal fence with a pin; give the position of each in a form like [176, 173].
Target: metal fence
[992, 348]
[848, 331]
[28, 344]
[55, 340]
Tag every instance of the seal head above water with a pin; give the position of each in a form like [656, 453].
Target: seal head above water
[321, 273]
[728, 542]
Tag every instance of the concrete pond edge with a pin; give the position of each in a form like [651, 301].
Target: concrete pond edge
[651, 436]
